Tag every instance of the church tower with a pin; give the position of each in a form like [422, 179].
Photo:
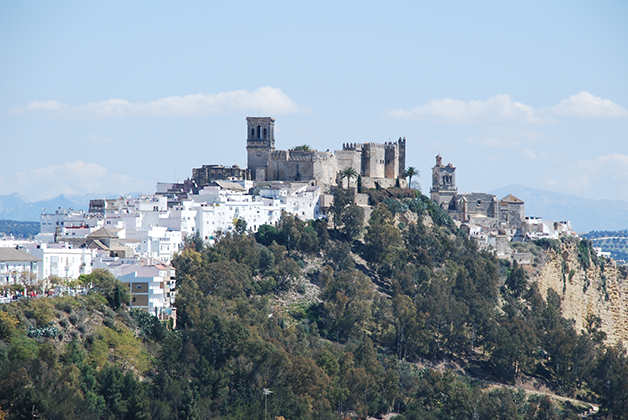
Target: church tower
[260, 142]
[443, 182]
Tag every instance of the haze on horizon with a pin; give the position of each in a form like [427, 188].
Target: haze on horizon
[113, 97]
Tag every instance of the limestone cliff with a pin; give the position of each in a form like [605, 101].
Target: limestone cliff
[586, 284]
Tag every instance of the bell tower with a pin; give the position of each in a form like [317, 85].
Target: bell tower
[443, 182]
[260, 141]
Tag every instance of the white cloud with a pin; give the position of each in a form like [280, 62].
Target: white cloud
[72, 178]
[532, 155]
[98, 140]
[502, 108]
[268, 100]
[45, 105]
[585, 105]
[504, 136]
[496, 108]
[603, 177]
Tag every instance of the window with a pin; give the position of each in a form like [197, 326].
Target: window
[259, 131]
[264, 133]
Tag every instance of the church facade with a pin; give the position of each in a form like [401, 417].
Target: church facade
[480, 209]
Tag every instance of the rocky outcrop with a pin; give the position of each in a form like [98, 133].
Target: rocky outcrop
[601, 289]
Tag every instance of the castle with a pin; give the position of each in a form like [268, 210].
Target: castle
[479, 209]
[381, 163]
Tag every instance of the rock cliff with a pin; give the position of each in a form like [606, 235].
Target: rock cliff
[587, 285]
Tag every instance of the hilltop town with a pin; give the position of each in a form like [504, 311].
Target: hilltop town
[135, 238]
[307, 272]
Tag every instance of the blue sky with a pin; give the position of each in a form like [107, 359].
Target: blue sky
[102, 97]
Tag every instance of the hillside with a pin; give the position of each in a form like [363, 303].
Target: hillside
[401, 315]
[615, 242]
[18, 229]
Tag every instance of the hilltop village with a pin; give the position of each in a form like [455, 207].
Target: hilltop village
[135, 238]
[167, 306]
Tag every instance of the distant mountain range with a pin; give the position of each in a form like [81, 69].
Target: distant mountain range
[14, 207]
[585, 214]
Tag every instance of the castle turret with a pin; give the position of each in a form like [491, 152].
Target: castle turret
[402, 155]
[259, 143]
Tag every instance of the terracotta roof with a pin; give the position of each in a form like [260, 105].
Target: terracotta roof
[102, 233]
[512, 199]
[230, 185]
[12, 254]
[97, 244]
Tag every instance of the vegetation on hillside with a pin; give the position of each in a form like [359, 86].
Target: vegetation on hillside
[615, 242]
[335, 322]
[19, 229]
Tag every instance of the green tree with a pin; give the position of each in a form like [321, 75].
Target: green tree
[110, 287]
[352, 220]
[516, 280]
[409, 173]
[303, 148]
[240, 226]
[349, 173]
[382, 241]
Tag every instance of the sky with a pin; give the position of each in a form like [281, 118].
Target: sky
[112, 97]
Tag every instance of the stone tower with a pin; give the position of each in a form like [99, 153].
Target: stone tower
[260, 142]
[443, 182]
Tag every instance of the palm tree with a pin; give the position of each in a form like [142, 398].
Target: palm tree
[409, 173]
[349, 173]
[303, 148]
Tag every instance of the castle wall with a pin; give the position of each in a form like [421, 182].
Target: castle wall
[391, 167]
[373, 160]
[326, 168]
[349, 158]
[291, 165]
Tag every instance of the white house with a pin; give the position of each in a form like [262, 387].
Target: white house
[152, 287]
[61, 260]
[14, 262]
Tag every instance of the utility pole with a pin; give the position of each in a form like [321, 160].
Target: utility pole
[266, 393]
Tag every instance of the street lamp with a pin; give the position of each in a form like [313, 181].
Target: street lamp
[266, 393]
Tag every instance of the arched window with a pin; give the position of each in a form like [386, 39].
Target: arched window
[264, 133]
[259, 131]
[252, 132]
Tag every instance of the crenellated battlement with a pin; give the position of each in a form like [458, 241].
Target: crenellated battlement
[291, 156]
[278, 155]
[352, 146]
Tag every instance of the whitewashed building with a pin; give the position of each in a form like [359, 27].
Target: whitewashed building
[61, 260]
[152, 287]
[14, 262]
